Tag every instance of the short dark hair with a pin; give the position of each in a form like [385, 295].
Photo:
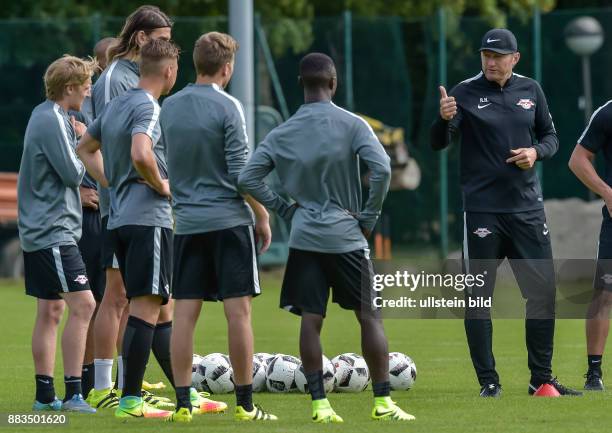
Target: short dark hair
[316, 70]
[212, 51]
[154, 52]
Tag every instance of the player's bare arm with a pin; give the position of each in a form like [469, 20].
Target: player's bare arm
[89, 153]
[263, 233]
[146, 165]
[581, 164]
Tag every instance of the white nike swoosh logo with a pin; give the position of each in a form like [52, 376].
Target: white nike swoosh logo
[44, 381]
[545, 232]
[492, 40]
[480, 107]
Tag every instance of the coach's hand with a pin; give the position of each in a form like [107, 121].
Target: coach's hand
[524, 158]
[263, 234]
[448, 105]
[79, 127]
[89, 197]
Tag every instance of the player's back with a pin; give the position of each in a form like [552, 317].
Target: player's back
[119, 76]
[131, 201]
[315, 156]
[205, 136]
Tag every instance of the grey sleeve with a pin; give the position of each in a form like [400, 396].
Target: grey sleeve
[61, 155]
[236, 142]
[251, 182]
[95, 129]
[146, 116]
[370, 151]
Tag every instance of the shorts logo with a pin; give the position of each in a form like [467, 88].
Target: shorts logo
[167, 287]
[81, 279]
[525, 103]
[545, 231]
[482, 232]
[607, 278]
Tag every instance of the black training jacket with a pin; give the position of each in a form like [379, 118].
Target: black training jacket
[491, 120]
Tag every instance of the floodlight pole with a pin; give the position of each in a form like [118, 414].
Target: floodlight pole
[588, 95]
[242, 85]
[537, 67]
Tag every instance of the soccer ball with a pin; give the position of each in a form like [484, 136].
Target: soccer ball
[197, 376]
[217, 374]
[280, 374]
[264, 357]
[329, 377]
[259, 375]
[402, 371]
[352, 374]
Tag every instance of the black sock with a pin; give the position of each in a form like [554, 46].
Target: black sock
[161, 348]
[137, 342]
[45, 391]
[595, 362]
[244, 396]
[88, 377]
[182, 397]
[315, 385]
[382, 389]
[73, 386]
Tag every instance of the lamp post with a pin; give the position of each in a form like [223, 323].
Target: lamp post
[584, 36]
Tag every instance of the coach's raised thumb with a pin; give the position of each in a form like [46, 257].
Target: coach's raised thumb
[443, 94]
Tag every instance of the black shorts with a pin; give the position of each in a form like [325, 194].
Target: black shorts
[53, 271]
[310, 275]
[90, 246]
[603, 274]
[109, 258]
[215, 265]
[144, 254]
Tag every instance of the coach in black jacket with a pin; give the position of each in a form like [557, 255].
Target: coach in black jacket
[505, 127]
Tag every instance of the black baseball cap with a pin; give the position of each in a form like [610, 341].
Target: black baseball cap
[501, 41]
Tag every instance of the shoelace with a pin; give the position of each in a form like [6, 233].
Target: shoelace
[264, 413]
[561, 388]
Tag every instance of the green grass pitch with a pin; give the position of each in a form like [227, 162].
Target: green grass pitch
[444, 399]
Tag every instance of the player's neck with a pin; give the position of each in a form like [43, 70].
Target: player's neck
[152, 86]
[207, 79]
[316, 95]
[63, 103]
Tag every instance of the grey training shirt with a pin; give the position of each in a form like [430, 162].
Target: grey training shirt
[204, 132]
[119, 76]
[49, 204]
[316, 156]
[131, 201]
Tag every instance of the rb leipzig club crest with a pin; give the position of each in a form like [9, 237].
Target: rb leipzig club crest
[525, 103]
